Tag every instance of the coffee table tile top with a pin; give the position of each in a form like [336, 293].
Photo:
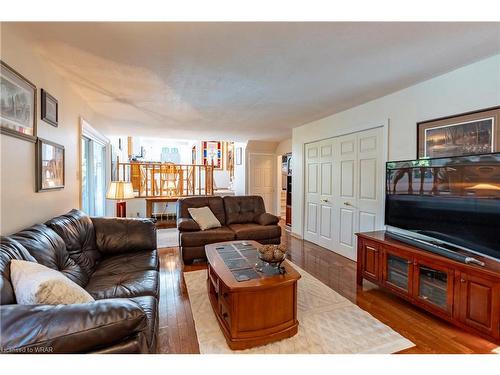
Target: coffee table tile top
[245, 274]
[234, 264]
[240, 258]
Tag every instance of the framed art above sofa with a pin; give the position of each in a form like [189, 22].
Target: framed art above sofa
[49, 165]
[17, 104]
[50, 109]
[469, 133]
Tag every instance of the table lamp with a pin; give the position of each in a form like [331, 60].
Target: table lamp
[119, 191]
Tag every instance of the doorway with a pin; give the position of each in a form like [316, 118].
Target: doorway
[344, 189]
[262, 178]
[93, 176]
[284, 196]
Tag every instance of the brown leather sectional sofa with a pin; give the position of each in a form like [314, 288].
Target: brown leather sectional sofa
[115, 260]
[241, 217]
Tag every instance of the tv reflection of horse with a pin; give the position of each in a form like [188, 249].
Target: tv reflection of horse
[400, 174]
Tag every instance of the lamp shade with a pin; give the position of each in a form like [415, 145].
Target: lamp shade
[119, 190]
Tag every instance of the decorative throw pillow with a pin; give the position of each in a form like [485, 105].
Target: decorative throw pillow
[204, 217]
[35, 284]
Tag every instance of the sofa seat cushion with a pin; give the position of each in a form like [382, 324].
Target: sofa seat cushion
[125, 285]
[251, 231]
[128, 262]
[149, 305]
[206, 236]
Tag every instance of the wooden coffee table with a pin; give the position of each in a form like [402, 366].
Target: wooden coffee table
[254, 312]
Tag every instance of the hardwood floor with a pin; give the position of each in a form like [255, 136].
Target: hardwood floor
[431, 335]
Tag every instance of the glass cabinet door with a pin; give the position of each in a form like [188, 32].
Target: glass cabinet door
[397, 271]
[434, 285]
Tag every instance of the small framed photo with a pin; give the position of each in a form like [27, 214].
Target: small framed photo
[49, 109]
[238, 155]
[49, 165]
[17, 104]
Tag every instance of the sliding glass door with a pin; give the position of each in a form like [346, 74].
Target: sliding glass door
[93, 176]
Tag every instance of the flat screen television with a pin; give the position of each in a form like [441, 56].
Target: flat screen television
[454, 201]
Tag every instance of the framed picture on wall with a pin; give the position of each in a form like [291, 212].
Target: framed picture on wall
[238, 155]
[17, 104]
[465, 134]
[49, 109]
[229, 153]
[49, 165]
[193, 155]
[212, 153]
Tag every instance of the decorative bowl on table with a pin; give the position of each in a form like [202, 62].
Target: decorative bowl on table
[273, 255]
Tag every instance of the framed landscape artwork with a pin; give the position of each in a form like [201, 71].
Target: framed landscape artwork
[17, 104]
[49, 165]
[49, 109]
[466, 134]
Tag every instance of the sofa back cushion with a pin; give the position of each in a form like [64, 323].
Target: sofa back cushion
[243, 209]
[215, 204]
[49, 249]
[10, 249]
[124, 235]
[77, 231]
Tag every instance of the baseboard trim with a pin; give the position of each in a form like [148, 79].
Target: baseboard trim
[296, 235]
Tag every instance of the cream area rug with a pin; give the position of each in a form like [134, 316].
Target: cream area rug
[167, 237]
[328, 323]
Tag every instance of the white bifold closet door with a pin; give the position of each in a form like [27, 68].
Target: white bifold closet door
[319, 193]
[344, 189]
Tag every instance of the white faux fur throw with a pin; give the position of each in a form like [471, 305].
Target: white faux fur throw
[35, 284]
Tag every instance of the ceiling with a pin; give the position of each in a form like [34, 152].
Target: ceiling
[247, 80]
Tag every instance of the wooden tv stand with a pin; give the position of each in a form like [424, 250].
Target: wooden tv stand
[464, 294]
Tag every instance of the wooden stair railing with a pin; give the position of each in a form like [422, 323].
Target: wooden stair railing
[151, 179]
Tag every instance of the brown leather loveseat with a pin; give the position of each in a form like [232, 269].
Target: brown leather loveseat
[241, 217]
[115, 260]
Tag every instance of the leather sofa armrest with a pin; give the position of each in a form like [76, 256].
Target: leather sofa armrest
[123, 235]
[267, 219]
[187, 225]
[69, 328]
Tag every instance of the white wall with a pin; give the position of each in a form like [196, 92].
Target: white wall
[466, 89]
[20, 205]
[284, 147]
[240, 182]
